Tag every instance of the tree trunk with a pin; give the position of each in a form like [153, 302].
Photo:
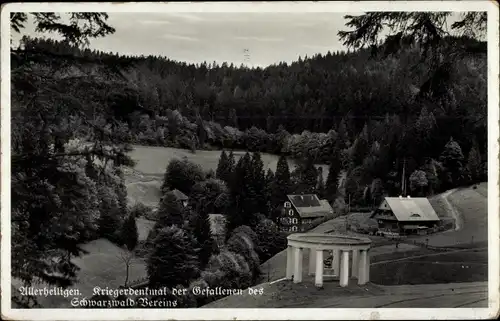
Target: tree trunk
[127, 273]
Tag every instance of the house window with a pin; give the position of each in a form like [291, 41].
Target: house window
[294, 221]
[288, 205]
[294, 228]
[290, 212]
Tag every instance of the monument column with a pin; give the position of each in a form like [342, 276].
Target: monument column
[336, 262]
[362, 267]
[367, 266]
[312, 261]
[344, 268]
[318, 280]
[297, 274]
[355, 263]
[289, 262]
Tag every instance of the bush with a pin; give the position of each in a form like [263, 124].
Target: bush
[141, 210]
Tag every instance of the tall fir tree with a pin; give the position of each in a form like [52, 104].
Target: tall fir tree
[332, 180]
[452, 159]
[170, 212]
[360, 148]
[282, 183]
[204, 238]
[257, 185]
[320, 187]
[231, 162]
[129, 235]
[268, 193]
[223, 171]
[307, 177]
[173, 259]
[238, 212]
[474, 164]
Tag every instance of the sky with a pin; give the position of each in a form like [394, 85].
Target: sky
[195, 37]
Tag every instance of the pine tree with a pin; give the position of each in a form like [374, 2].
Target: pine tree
[222, 167]
[238, 210]
[282, 186]
[474, 164]
[129, 234]
[360, 149]
[201, 131]
[268, 192]
[203, 235]
[377, 191]
[170, 212]
[257, 185]
[231, 162]
[321, 188]
[173, 259]
[332, 180]
[308, 177]
[452, 159]
[342, 135]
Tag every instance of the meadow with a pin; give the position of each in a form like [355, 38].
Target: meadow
[145, 179]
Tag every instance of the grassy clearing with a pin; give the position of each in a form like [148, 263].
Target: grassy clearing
[153, 160]
[101, 267]
[147, 193]
[144, 181]
[143, 228]
[413, 272]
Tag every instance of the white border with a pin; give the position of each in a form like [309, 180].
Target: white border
[261, 314]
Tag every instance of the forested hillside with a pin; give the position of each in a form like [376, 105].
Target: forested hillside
[369, 109]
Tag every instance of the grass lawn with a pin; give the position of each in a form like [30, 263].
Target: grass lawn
[102, 267]
[147, 193]
[443, 268]
[144, 181]
[153, 160]
[143, 227]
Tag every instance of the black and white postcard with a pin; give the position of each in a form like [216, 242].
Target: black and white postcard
[250, 160]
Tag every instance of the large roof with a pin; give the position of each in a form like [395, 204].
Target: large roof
[179, 195]
[412, 209]
[310, 205]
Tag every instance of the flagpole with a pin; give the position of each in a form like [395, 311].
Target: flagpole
[403, 183]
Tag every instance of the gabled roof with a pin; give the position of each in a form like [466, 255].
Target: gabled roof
[217, 224]
[411, 209]
[179, 195]
[310, 205]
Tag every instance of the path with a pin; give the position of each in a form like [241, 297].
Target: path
[451, 209]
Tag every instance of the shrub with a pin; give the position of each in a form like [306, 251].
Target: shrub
[141, 210]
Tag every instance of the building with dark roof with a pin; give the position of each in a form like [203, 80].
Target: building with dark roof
[299, 211]
[181, 197]
[405, 215]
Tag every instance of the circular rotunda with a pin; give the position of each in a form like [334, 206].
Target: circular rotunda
[340, 247]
